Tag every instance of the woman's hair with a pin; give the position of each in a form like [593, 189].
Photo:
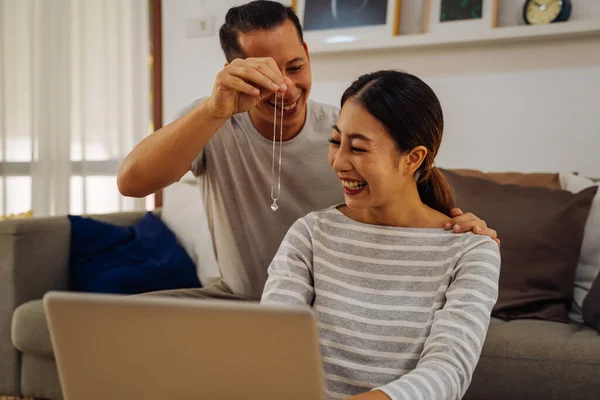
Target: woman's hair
[411, 113]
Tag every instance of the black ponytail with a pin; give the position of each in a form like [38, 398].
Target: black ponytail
[435, 191]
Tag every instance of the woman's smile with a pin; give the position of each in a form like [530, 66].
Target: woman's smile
[353, 187]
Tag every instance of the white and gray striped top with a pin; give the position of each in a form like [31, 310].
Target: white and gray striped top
[402, 310]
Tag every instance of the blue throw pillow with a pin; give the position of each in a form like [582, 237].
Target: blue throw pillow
[145, 257]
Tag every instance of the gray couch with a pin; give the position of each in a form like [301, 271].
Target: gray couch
[524, 359]
[34, 259]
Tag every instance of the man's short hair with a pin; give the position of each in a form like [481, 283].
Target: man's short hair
[253, 16]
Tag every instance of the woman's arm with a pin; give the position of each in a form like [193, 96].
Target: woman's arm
[290, 273]
[454, 344]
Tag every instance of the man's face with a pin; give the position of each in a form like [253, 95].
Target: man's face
[284, 46]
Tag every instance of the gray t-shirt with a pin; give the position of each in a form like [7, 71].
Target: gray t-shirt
[234, 174]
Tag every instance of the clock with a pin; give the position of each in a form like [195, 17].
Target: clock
[537, 12]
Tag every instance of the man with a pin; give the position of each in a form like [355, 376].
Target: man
[226, 140]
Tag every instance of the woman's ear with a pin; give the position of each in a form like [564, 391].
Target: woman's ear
[414, 159]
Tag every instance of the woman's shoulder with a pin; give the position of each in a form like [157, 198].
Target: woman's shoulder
[480, 248]
[327, 217]
[476, 241]
[313, 217]
[329, 212]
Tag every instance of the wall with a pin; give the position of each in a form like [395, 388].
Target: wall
[527, 106]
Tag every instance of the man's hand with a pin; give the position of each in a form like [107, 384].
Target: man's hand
[243, 83]
[469, 222]
[374, 395]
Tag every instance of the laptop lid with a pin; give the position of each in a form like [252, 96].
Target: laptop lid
[128, 347]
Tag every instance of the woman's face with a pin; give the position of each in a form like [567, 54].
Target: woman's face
[366, 160]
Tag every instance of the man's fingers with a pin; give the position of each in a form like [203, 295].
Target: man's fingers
[476, 226]
[468, 217]
[470, 223]
[262, 73]
[455, 212]
[493, 234]
[457, 217]
[238, 84]
[488, 232]
[253, 76]
[270, 69]
[274, 77]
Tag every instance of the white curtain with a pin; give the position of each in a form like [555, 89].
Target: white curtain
[74, 99]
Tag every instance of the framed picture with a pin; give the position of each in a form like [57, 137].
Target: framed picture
[358, 19]
[448, 16]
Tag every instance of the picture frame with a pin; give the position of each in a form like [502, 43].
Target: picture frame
[412, 18]
[333, 21]
[464, 16]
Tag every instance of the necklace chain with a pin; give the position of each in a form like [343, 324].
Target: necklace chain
[274, 206]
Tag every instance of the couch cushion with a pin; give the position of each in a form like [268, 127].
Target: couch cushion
[541, 231]
[30, 329]
[537, 360]
[543, 340]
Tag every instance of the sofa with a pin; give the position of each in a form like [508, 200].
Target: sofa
[34, 259]
[524, 358]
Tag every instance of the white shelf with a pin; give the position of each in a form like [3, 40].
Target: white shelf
[522, 33]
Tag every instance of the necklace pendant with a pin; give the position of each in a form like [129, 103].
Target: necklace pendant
[274, 206]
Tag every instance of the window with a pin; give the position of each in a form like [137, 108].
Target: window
[74, 99]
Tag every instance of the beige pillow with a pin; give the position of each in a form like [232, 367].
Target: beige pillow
[588, 267]
[184, 214]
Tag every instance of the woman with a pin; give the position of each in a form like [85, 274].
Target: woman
[402, 305]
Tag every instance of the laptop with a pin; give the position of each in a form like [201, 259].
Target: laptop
[129, 347]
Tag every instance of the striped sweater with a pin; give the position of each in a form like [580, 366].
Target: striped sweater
[401, 310]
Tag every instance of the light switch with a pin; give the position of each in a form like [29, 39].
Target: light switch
[200, 27]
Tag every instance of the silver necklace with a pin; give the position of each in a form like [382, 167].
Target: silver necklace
[274, 206]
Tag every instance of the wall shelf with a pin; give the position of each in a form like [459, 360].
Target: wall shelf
[511, 34]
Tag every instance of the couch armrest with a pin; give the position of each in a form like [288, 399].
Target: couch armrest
[35, 255]
[34, 259]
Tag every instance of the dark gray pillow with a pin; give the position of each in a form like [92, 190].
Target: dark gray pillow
[541, 231]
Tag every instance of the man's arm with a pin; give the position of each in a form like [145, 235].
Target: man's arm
[165, 156]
